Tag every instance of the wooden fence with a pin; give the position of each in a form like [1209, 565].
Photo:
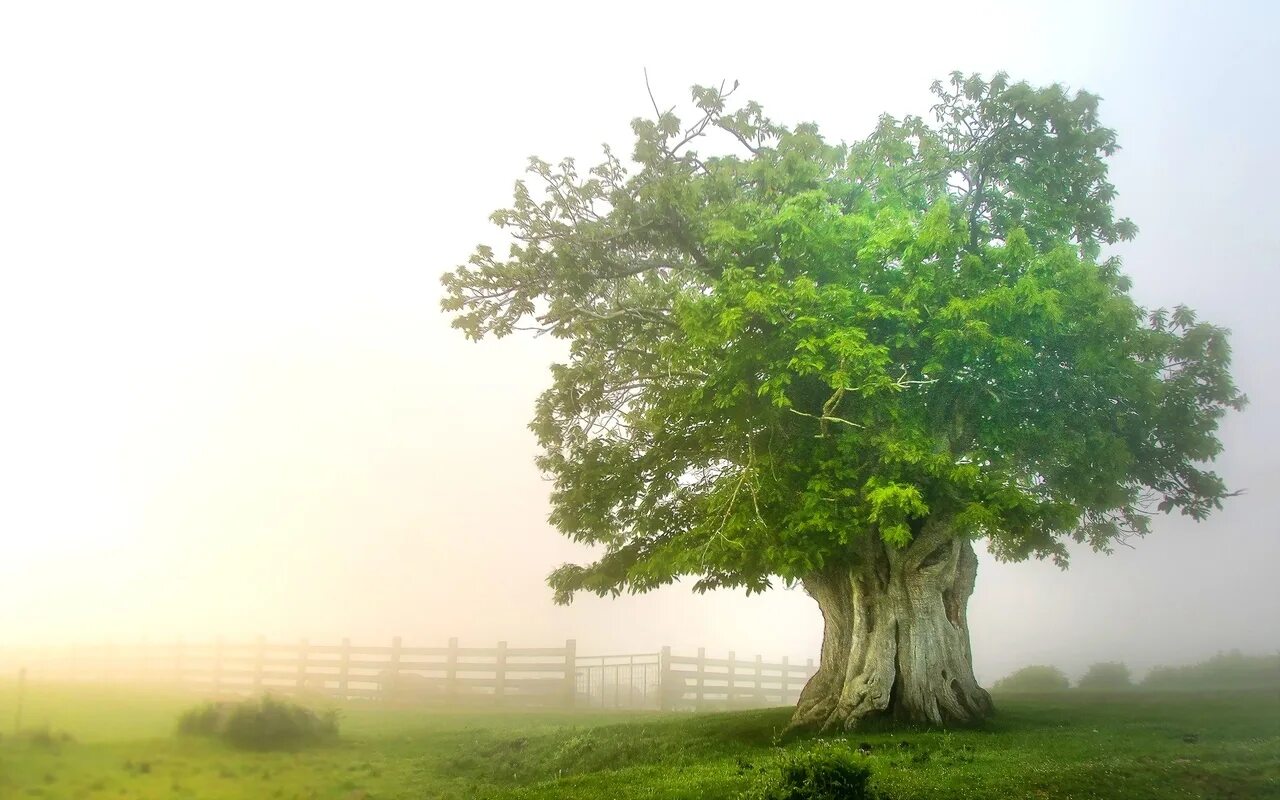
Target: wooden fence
[396, 674]
[700, 682]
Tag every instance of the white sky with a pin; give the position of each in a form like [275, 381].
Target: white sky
[230, 405]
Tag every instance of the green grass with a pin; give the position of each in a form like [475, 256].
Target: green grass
[1066, 745]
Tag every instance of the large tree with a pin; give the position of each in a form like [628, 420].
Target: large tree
[839, 365]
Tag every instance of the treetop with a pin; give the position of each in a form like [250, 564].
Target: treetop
[783, 350]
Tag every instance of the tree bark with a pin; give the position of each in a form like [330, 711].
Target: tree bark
[896, 637]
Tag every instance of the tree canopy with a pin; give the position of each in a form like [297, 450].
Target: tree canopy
[1036, 678]
[780, 346]
[1106, 676]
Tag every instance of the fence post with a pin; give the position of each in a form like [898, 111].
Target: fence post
[666, 686]
[786, 678]
[389, 689]
[500, 674]
[644, 684]
[702, 668]
[451, 668]
[178, 648]
[300, 681]
[728, 695]
[22, 693]
[260, 645]
[570, 671]
[108, 661]
[217, 668]
[759, 687]
[344, 669]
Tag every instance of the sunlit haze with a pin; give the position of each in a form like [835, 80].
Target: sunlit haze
[231, 404]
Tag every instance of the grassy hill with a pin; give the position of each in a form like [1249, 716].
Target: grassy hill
[1065, 745]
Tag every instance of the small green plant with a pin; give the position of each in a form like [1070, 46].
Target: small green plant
[265, 724]
[1106, 677]
[1036, 678]
[827, 771]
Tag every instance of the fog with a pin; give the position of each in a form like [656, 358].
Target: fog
[231, 405]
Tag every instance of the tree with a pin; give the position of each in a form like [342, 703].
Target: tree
[839, 365]
[1106, 677]
[1036, 678]
[1225, 671]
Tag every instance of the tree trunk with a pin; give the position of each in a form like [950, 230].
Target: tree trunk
[896, 638]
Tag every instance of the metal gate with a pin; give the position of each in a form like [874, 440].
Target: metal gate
[632, 680]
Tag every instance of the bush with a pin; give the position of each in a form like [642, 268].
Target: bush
[1108, 676]
[204, 720]
[266, 724]
[1037, 678]
[1232, 670]
[45, 737]
[825, 772]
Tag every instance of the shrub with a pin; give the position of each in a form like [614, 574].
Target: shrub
[1037, 678]
[825, 772]
[203, 720]
[266, 724]
[1106, 677]
[45, 737]
[1232, 670]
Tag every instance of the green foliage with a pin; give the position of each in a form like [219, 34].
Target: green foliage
[1036, 678]
[782, 353]
[1107, 676]
[265, 724]
[1225, 671]
[824, 772]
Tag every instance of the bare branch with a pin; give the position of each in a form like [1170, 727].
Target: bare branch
[649, 89]
[826, 418]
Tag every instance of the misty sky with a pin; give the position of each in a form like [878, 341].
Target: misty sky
[230, 403]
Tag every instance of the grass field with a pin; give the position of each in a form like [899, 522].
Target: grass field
[1071, 745]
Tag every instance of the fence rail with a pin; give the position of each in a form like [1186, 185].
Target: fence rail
[402, 675]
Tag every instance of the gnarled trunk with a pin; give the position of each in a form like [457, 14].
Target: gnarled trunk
[896, 641]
